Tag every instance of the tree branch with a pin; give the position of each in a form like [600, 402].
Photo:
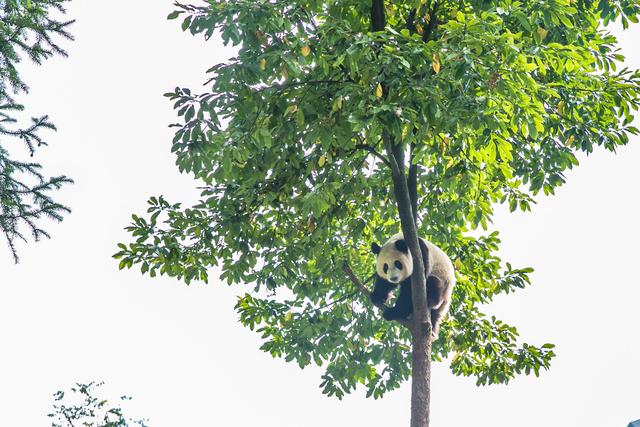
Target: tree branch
[432, 22]
[411, 26]
[374, 152]
[378, 20]
[412, 183]
[300, 83]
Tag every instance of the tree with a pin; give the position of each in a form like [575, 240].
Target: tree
[81, 407]
[336, 120]
[27, 28]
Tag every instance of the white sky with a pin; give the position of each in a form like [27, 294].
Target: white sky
[67, 314]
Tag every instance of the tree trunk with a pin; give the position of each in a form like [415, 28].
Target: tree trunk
[405, 191]
[420, 319]
[420, 335]
[420, 377]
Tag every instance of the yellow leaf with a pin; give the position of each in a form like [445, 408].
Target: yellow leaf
[305, 51]
[542, 33]
[379, 90]
[321, 161]
[570, 141]
[436, 63]
[427, 17]
[561, 107]
[419, 29]
[454, 13]
[262, 64]
[337, 104]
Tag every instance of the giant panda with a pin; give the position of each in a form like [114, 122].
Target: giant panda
[394, 266]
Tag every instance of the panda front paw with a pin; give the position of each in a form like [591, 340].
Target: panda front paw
[379, 297]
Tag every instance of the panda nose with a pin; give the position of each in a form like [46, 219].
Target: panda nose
[394, 278]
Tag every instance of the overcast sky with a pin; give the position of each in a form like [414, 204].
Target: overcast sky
[67, 314]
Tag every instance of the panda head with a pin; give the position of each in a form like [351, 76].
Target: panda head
[393, 260]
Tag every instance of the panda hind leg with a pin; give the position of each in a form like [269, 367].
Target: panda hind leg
[436, 318]
[436, 302]
[435, 292]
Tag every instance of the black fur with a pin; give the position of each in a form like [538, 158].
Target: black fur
[435, 291]
[404, 306]
[381, 290]
[401, 245]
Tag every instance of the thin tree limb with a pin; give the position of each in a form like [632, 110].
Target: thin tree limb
[412, 183]
[374, 152]
[432, 22]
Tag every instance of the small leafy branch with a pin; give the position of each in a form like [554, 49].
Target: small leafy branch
[81, 407]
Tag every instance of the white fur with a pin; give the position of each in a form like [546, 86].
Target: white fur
[439, 265]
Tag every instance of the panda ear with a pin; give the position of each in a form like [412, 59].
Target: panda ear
[401, 245]
[375, 248]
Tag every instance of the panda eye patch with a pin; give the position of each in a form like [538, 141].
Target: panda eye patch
[385, 268]
[398, 265]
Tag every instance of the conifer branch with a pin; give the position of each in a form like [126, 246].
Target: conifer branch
[27, 31]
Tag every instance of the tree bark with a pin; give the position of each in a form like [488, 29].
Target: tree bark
[420, 377]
